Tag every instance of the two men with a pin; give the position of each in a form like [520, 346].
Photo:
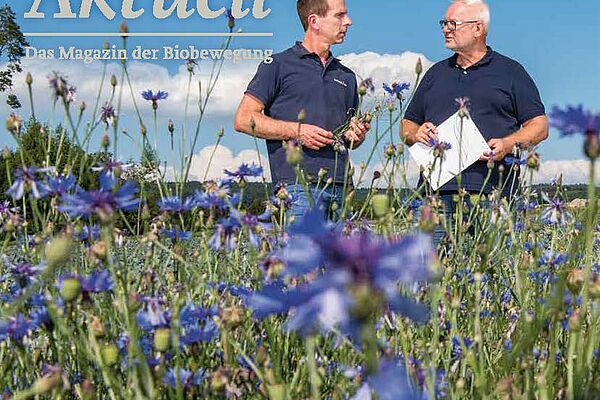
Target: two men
[306, 79]
[504, 101]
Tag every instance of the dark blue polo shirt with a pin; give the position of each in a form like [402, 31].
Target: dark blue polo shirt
[297, 80]
[502, 97]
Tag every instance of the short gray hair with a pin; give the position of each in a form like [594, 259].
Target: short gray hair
[483, 9]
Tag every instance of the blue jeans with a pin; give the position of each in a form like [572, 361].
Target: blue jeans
[449, 211]
[321, 198]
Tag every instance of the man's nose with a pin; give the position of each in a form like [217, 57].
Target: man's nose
[348, 21]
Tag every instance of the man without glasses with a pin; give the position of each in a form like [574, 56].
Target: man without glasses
[306, 78]
[504, 102]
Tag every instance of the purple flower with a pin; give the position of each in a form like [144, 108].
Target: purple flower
[439, 147]
[186, 378]
[345, 265]
[97, 282]
[245, 171]
[107, 114]
[556, 213]
[61, 88]
[510, 160]
[26, 179]
[224, 234]
[153, 315]
[574, 120]
[154, 97]
[60, 185]
[23, 273]
[15, 328]
[391, 382]
[197, 324]
[255, 224]
[175, 204]
[396, 89]
[110, 171]
[101, 202]
[177, 234]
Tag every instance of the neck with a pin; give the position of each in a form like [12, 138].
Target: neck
[469, 57]
[313, 44]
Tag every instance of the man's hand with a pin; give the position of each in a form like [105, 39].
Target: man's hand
[500, 148]
[357, 132]
[313, 137]
[425, 133]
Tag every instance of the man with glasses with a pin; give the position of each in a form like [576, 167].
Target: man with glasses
[504, 102]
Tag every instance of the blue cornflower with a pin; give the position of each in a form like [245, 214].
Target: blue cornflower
[574, 120]
[457, 345]
[87, 233]
[197, 324]
[396, 89]
[510, 160]
[391, 382]
[102, 202]
[107, 114]
[153, 315]
[186, 378]
[225, 232]
[154, 97]
[439, 147]
[97, 282]
[245, 171]
[61, 88]
[255, 224]
[177, 234]
[552, 259]
[508, 345]
[23, 273]
[15, 328]
[350, 265]
[111, 170]
[61, 184]
[26, 179]
[556, 213]
[175, 204]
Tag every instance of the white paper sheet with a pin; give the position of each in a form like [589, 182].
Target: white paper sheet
[457, 158]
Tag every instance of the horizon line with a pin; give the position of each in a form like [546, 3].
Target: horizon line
[149, 34]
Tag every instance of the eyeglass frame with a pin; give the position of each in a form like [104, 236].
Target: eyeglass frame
[456, 23]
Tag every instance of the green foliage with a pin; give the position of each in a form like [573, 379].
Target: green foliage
[12, 46]
[39, 146]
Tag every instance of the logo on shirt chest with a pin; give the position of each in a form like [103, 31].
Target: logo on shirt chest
[344, 84]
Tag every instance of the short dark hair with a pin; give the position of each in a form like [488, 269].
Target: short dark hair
[309, 7]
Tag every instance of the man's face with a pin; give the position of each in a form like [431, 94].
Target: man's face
[334, 25]
[465, 35]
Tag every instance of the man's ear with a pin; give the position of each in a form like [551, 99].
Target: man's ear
[480, 30]
[313, 22]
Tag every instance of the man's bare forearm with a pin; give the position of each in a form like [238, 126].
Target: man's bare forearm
[533, 132]
[264, 127]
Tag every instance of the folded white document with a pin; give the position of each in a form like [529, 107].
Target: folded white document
[467, 145]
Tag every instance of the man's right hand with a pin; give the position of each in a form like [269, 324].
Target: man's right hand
[425, 133]
[313, 137]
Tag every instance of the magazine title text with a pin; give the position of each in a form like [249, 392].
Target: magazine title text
[182, 8]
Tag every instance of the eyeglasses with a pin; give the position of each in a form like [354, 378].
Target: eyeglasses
[453, 24]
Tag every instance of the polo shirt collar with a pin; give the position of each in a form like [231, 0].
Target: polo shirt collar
[302, 52]
[487, 58]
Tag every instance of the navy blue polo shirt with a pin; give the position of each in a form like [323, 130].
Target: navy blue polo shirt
[502, 97]
[297, 80]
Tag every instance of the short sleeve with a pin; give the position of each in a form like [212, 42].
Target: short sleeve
[526, 97]
[265, 84]
[415, 111]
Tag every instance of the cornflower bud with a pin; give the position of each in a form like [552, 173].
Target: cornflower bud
[380, 204]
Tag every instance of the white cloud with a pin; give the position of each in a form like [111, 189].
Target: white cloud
[573, 171]
[222, 159]
[226, 95]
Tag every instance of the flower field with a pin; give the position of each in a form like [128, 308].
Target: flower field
[119, 283]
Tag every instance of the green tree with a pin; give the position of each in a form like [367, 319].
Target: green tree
[12, 46]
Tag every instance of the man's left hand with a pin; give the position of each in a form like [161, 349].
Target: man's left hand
[357, 132]
[500, 149]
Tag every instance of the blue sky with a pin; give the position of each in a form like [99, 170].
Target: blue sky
[558, 42]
